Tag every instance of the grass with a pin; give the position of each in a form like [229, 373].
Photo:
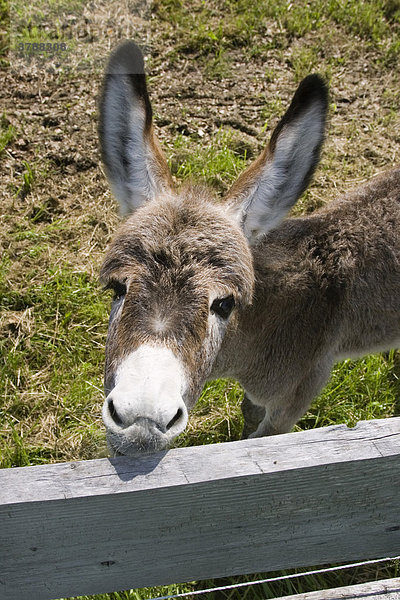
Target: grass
[4, 32]
[28, 178]
[43, 33]
[216, 164]
[53, 317]
[255, 592]
[358, 390]
[7, 133]
[52, 356]
[376, 21]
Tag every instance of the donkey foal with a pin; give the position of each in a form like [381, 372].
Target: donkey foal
[207, 289]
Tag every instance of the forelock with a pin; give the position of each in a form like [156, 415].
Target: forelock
[189, 237]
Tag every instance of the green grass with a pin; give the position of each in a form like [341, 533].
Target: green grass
[50, 372]
[217, 163]
[358, 390]
[28, 178]
[305, 60]
[28, 18]
[200, 28]
[254, 592]
[5, 26]
[43, 32]
[7, 133]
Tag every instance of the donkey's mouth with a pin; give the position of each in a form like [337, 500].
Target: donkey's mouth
[120, 445]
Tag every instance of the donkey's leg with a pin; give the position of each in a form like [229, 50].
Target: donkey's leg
[253, 415]
[282, 413]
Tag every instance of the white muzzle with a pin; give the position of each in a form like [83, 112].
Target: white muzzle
[145, 410]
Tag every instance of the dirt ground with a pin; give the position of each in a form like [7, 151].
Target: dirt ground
[53, 110]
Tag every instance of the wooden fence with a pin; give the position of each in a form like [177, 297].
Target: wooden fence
[311, 498]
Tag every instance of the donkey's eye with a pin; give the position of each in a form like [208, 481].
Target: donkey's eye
[118, 287]
[223, 306]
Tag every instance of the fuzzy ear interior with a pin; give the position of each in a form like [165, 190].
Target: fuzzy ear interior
[267, 189]
[135, 165]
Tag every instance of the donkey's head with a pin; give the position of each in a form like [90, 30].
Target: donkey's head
[181, 264]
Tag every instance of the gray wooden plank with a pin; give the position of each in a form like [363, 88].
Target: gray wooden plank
[369, 439]
[315, 497]
[387, 589]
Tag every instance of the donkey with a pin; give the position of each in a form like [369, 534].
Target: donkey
[206, 288]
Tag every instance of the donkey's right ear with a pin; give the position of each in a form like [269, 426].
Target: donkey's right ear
[269, 187]
[134, 162]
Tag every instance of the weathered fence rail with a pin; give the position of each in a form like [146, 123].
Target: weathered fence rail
[316, 497]
[377, 590]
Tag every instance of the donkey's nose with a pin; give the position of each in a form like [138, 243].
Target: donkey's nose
[167, 418]
[176, 419]
[113, 413]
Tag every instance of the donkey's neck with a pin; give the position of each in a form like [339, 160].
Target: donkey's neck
[321, 282]
[288, 282]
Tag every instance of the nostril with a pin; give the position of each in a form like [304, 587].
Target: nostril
[114, 415]
[175, 419]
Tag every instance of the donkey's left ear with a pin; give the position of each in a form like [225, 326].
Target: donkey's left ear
[135, 165]
[270, 186]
